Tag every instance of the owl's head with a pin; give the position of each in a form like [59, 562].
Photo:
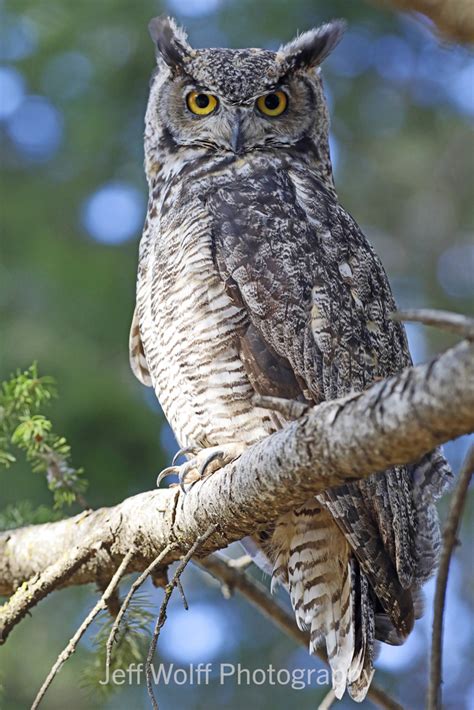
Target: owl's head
[236, 100]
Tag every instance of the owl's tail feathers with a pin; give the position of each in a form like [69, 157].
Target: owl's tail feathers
[362, 669]
[329, 595]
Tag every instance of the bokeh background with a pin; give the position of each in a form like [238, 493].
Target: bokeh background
[73, 89]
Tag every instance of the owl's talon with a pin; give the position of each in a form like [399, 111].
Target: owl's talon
[183, 452]
[188, 475]
[166, 472]
[182, 477]
[180, 471]
[208, 460]
[197, 467]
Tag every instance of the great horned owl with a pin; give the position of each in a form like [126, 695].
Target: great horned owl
[253, 279]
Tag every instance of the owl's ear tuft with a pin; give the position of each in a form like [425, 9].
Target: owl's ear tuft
[170, 41]
[311, 48]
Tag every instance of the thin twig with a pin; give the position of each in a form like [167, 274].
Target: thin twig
[71, 646]
[37, 588]
[114, 602]
[449, 541]
[259, 596]
[162, 614]
[328, 700]
[136, 584]
[256, 593]
[183, 595]
[445, 320]
[379, 697]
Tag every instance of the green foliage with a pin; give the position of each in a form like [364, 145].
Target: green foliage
[24, 427]
[15, 515]
[131, 646]
[19, 396]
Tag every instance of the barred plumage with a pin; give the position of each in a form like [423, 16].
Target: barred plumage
[253, 278]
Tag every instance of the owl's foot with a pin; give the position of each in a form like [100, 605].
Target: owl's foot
[203, 463]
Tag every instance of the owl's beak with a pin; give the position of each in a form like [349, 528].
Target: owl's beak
[237, 137]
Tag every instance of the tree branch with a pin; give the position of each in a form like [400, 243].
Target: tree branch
[394, 421]
[445, 320]
[37, 588]
[449, 541]
[454, 19]
[253, 590]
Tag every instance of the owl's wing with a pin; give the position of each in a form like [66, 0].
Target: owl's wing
[138, 361]
[314, 290]
[318, 300]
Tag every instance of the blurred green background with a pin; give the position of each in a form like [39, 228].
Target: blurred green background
[73, 83]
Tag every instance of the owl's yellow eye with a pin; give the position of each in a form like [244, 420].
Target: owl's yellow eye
[201, 104]
[272, 104]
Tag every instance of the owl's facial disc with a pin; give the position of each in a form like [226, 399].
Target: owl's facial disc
[205, 116]
[233, 130]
